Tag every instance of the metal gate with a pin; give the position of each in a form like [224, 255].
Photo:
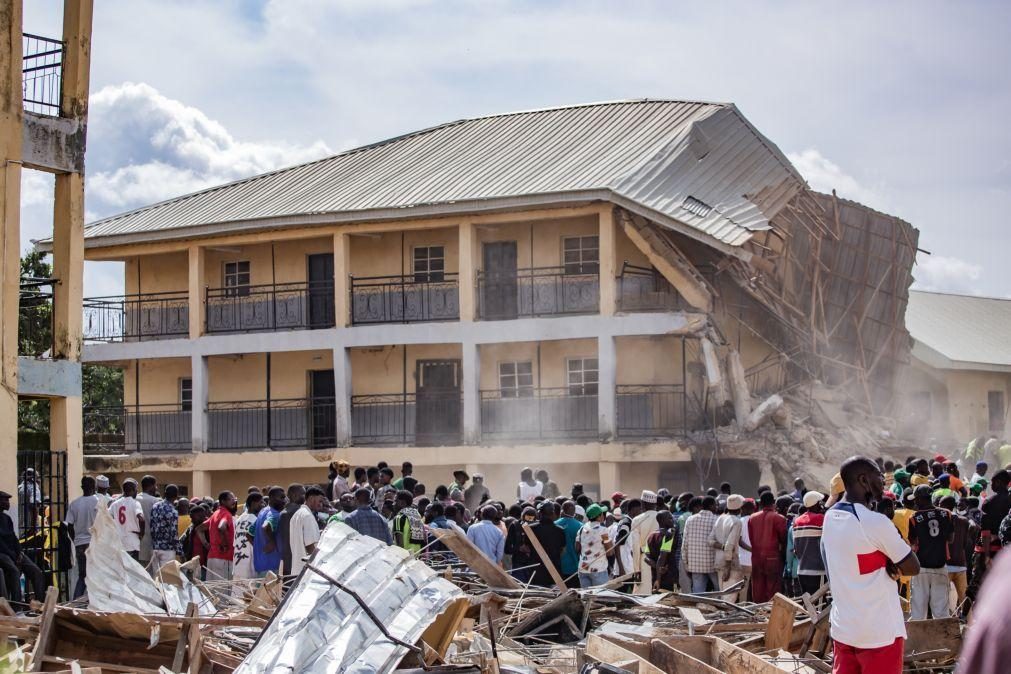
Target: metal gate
[42, 507]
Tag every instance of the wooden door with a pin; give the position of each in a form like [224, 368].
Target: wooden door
[499, 290]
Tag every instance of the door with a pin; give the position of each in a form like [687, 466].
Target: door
[321, 289]
[322, 409]
[995, 411]
[437, 402]
[499, 292]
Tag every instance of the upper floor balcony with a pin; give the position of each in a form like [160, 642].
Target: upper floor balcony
[41, 74]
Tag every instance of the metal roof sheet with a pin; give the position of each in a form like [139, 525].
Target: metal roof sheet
[321, 629]
[963, 329]
[652, 153]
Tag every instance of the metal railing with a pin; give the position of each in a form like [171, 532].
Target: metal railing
[645, 289]
[291, 423]
[35, 317]
[540, 291]
[408, 419]
[405, 299]
[41, 74]
[538, 414]
[271, 306]
[655, 410]
[137, 428]
[137, 317]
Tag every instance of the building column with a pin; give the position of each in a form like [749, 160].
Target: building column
[197, 285]
[468, 256]
[342, 396]
[66, 433]
[342, 279]
[471, 393]
[610, 478]
[608, 256]
[607, 361]
[198, 413]
[68, 265]
[201, 484]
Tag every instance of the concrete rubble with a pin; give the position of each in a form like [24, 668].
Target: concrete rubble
[360, 606]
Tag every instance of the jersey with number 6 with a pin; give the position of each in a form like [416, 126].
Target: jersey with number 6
[125, 511]
[929, 533]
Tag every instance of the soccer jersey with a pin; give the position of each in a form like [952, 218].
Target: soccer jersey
[929, 532]
[125, 510]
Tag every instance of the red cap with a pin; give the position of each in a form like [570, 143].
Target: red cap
[940, 458]
[750, 500]
[617, 496]
[890, 495]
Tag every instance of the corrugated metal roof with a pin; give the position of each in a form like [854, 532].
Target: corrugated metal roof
[965, 330]
[321, 629]
[654, 154]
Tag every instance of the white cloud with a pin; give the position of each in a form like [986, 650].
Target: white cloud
[824, 175]
[947, 274]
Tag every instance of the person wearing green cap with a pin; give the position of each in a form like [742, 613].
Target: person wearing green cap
[900, 481]
[594, 547]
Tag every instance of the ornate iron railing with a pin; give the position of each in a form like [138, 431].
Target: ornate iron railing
[407, 419]
[405, 299]
[538, 414]
[292, 423]
[656, 410]
[540, 291]
[137, 317]
[645, 289]
[41, 74]
[273, 306]
[137, 428]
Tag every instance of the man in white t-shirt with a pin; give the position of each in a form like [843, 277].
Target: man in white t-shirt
[303, 530]
[528, 489]
[642, 526]
[129, 518]
[863, 554]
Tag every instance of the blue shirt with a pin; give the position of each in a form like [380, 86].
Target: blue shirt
[488, 539]
[570, 558]
[368, 522]
[164, 526]
[264, 561]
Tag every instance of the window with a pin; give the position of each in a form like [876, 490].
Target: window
[997, 413]
[582, 374]
[581, 254]
[237, 278]
[516, 380]
[429, 263]
[186, 394]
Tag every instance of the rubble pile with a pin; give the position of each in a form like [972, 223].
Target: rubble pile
[362, 606]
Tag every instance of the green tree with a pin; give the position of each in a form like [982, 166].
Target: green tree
[35, 306]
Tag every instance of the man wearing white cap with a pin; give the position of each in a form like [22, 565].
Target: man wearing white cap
[807, 542]
[642, 526]
[102, 490]
[725, 538]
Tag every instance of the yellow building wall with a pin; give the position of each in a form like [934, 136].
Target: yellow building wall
[551, 372]
[289, 372]
[238, 377]
[967, 395]
[392, 253]
[376, 370]
[159, 381]
[545, 237]
[648, 360]
[157, 273]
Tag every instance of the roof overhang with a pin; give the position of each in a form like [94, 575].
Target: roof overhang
[937, 360]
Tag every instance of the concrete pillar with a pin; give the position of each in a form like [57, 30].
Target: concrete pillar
[608, 262]
[197, 295]
[342, 396]
[342, 279]
[66, 432]
[610, 478]
[468, 271]
[198, 416]
[471, 393]
[76, 72]
[11, 115]
[607, 365]
[201, 484]
[68, 265]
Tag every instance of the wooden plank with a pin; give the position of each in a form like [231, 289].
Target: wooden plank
[694, 617]
[180, 654]
[545, 560]
[43, 642]
[108, 667]
[673, 661]
[607, 651]
[195, 648]
[490, 573]
[780, 628]
[5, 608]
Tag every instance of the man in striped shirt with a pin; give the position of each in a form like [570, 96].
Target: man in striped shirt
[807, 542]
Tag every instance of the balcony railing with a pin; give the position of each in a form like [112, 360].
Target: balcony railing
[274, 306]
[294, 423]
[538, 414]
[645, 289]
[137, 428]
[541, 291]
[35, 317]
[409, 419]
[41, 74]
[656, 411]
[404, 299]
[137, 317]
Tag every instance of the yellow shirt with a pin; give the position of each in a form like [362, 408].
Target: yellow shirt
[917, 479]
[901, 520]
[184, 524]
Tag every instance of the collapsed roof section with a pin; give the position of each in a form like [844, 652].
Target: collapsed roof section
[698, 168]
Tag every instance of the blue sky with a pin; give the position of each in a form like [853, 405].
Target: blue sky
[902, 106]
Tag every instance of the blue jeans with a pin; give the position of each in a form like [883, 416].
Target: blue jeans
[699, 581]
[592, 579]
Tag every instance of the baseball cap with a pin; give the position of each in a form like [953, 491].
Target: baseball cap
[836, 486]
[813, 498]
[595, 511]
[617, 496]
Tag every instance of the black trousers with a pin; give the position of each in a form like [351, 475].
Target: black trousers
[82, 570]
[810, 584]
[35, 580]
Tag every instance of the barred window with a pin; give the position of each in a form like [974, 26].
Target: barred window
[429, 263]
[186, 394]
[583, 376]
[237, 278]
[581, 254]
[516, 380]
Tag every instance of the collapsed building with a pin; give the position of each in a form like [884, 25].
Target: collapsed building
[627, 294]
